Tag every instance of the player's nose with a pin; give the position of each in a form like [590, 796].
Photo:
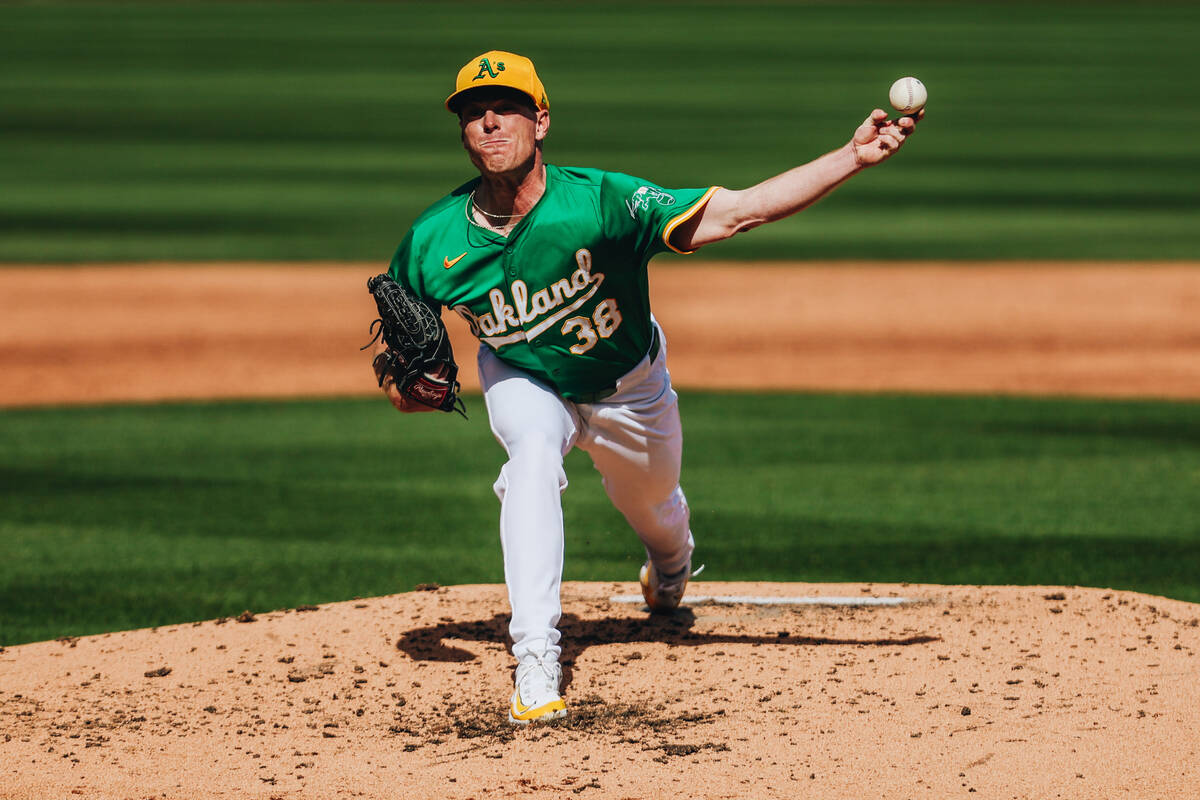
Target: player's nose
[491, 120]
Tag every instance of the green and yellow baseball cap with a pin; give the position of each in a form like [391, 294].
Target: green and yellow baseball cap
[500, 68]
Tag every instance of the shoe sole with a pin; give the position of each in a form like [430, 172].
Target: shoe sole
[649, 595]
[555, 709]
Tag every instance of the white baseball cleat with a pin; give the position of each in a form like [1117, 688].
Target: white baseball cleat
[536, 697]
[662, 591]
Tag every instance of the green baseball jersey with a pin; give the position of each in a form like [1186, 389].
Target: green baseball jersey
[564, 296]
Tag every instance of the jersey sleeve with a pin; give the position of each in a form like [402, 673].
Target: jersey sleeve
[647, 214]
[405, 270]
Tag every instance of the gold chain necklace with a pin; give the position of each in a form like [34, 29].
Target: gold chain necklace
[504, 219]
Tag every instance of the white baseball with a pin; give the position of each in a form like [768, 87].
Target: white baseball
[908, 95]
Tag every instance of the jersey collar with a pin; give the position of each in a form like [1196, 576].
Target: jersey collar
[492, 235]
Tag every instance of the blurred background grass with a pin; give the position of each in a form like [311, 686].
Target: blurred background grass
[121, 517]
[292, 131]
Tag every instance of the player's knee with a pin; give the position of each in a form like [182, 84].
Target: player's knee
[535, 460]
[536, 463]
[653, 516]
[536, 449]
[673, 513]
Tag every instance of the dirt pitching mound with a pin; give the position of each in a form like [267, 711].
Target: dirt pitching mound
[1008, 692]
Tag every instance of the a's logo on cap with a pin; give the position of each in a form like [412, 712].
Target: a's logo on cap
[486, 66]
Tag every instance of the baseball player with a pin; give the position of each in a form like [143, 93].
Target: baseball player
[547, 265]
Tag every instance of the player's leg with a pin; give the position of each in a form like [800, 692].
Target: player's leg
[536, 428]
[636, 442]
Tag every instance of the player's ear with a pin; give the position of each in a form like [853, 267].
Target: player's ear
[462, 127]
[541, 124]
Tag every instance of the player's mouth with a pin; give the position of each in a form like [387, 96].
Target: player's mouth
[493, 144]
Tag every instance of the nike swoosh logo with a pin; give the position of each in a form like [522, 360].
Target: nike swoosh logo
[448, 263]
[520, 711]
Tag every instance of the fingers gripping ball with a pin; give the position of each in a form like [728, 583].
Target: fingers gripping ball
[418, 359]
[908, 95]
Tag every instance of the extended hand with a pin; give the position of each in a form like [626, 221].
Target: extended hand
[879, 137]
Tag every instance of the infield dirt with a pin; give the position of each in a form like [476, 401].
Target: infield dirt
[999, 691]
[154, 332]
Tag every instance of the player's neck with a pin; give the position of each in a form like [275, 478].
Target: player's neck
[511, 195]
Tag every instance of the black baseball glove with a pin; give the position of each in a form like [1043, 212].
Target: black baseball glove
[418, 357]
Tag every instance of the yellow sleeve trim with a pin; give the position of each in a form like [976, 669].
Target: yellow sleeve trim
[684, 217]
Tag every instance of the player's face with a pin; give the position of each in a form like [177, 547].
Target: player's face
[500, 132]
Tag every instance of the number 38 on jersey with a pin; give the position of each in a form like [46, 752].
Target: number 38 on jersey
[602, 324]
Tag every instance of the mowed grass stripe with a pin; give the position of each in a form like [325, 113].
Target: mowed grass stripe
[120, 517]
[315, 130]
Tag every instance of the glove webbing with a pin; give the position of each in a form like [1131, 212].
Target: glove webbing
[418, 345]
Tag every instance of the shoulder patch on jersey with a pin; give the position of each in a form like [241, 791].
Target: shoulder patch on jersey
[644, 196]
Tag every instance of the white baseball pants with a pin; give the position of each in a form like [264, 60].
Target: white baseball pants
[635, 441]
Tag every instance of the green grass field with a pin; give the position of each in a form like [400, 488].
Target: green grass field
[315, 131]
[121, 517]
[292, 131]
